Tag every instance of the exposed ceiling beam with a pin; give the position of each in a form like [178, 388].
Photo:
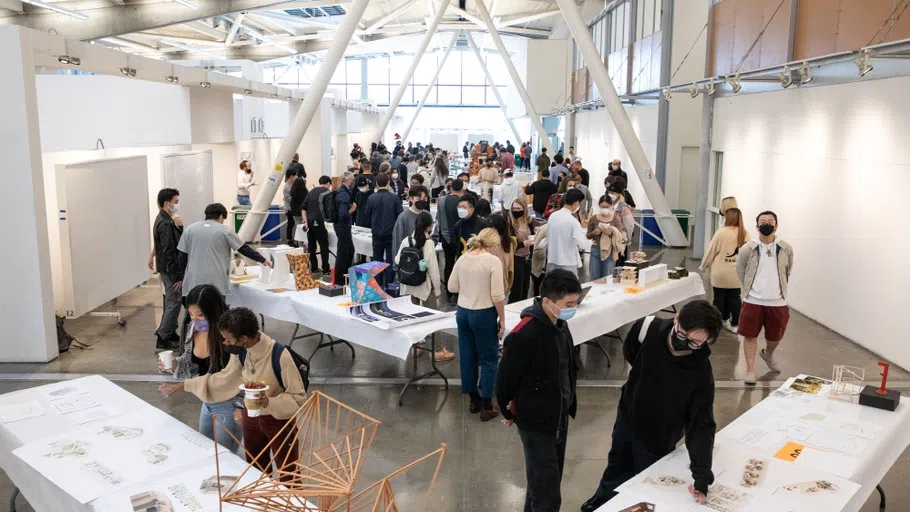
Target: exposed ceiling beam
[522, 19]
[305, 5]
[272, 22]
[206, 29]
[251, 21]
[186, 40]
[119, 41]
[235, 27]
[113, 20]
[13, 5]
[401, 9]
[464, 14]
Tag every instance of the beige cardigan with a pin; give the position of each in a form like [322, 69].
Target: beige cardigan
[721, 259]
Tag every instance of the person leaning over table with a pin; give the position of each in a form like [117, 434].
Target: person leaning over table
[240, 330]
[203, 354]
[669, 395]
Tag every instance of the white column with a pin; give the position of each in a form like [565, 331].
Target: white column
[426, 92]
[486, 72]
[313, 98]
[396, 99]
[669, 226]
[27, 294]
[516, 80]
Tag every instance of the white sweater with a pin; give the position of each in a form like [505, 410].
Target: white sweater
[433, 282]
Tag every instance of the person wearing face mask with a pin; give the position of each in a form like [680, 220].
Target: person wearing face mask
[418, 201]
[346, 208]
[167, 262]
[510, 190]
[469, 224]
[203, 354]
[253, 358]
[623, 219]
[364, 189]
[245, 179]
[397, 186]
[606, 240]
[523, 229]
[615, 169]
[573, 181]
[383, 208]
[566, 238]
[208, 246]
[669, 395]
[764, 268]
[536, 386]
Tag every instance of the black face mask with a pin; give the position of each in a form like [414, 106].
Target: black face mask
[766, 229]
[679, 341]
[422, 205]
[518, 214]
[232, 349]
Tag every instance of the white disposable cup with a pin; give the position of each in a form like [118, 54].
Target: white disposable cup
[252, 394]
[167, 359]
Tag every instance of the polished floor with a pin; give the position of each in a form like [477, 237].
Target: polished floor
[483, 469]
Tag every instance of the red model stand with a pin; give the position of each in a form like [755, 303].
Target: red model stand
[881, 398]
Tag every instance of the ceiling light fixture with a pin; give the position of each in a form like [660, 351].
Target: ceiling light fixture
[862, 62]
[69, 59]
[128, 71]
[805, 76]
[247, 91]
[694, 90]
[59, 10]
[182, 46]
[275, 96]
[735, 82]
[666, 94]
[786, 77]
[186, 3]
[172, 79]
[709, 89]
[205, 84]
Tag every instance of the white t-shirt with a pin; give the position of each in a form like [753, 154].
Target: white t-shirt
[244, 182]
[766, 285]
[566, 237]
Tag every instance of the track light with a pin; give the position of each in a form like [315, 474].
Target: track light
[59, 10]
[786, 77]
[289, 98]
[69, 59]
[172, 79]
[862, 62]
[666, 94]
[805, 76]
[205, 84]
[709, 89]
[694, 90]
[128, 71]
[247, 91]
[735, 82]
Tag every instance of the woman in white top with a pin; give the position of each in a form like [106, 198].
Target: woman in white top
[477, 279]
[429, 291]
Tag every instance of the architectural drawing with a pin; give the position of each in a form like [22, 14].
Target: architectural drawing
[185, 497]
[157, 453]
[753, 472]
[74, 403]
[725, 499]
[664, 481]
[104, 473]
[121, 433]
[61, 449]
[151, 502]
[813, 487]
[210, 484]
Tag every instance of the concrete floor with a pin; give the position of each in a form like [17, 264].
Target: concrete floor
[484, 468]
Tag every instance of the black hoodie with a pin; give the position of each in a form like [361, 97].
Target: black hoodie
[669, 396]
[529, 377]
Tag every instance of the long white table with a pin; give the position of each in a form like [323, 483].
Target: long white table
[41, 493]
[840, 439]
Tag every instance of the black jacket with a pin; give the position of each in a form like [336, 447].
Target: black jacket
[541, 189]
[361, 216]
[382, 209]
[669, 396]
[298, 196]
[311, 204]
[466, 228]
[298, 168]
[166, 236]
[585, 177]
[529, 378]
[343, 199]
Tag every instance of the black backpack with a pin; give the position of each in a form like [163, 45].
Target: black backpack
[328, 207]
[301, 363]
[409, 272]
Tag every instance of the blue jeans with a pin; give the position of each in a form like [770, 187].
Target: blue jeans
[478, 345]
[382, 251]
[598, 268]
[225, 412]
[244, 200]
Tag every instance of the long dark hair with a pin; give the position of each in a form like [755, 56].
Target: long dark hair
[504, 228]
[212, 304]
[424, 221]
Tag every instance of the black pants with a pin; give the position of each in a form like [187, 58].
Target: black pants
[345, 253]
[521, 282]
[729, 303]
[545, 455]
[290, 229]
[434, 193]
[537, 280]
[628, 457]
[450, 249]
[318, 234]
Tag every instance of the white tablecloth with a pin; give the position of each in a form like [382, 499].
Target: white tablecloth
[866, 468]
[42, 494]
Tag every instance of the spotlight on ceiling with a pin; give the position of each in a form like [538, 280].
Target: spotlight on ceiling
[172, 79]
[275, 96]
[709, 89]
[69, 59]
[735, 82]
[862, 62]
[128, 71]
[666, 94]
[247, 91]
[289, 98]
[805, 75]
[694, 90]
[205, 84]
[786, 77]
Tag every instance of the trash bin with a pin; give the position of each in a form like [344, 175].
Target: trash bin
[650, 223]
[272, 219]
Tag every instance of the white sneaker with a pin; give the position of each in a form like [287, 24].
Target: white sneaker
[769, 360]
[728, 326]
[750, 378]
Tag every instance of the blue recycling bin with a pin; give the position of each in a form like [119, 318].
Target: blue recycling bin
[650, 223]
[272, 220]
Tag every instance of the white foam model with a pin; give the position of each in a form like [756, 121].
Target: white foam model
[191, 173]
[105, 237]
[652, 274]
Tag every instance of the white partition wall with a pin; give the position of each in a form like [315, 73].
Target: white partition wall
[191, 174]
[834, 164]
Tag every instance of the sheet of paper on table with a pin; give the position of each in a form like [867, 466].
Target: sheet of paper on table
[74, 403]
[64, 389]
[93, 414]
[110, 454]
[18, 412]
[745, 481]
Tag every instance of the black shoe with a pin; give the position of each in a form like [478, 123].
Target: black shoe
[161, 344]
[489, 414]
[476, 406]
[594, 503]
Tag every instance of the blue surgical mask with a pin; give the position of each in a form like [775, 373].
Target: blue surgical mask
[201, 325]
[567, 313]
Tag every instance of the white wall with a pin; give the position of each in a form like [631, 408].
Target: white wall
[211, 115]
[547, 85]
[76, 110]
[834, 164]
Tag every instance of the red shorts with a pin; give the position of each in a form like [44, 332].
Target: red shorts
[773, 319]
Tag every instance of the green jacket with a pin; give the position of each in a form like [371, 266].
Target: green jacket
[747, 265]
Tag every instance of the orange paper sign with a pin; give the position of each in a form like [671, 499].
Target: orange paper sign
[790, 451]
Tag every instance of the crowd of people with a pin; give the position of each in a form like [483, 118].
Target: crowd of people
[530, 243]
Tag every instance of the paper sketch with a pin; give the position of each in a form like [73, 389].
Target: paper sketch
[753, 472]
[18, 412]
[185, 497]
[121, 433]
[74, 403]
[863, 430]
[726, 499]
[210, 484]
[838, 441]
[151, 501]
[809, 385]
[791, 429]
[62, 449]
[813, 487]
[63, 390]
[93, 414]
[812, 416]
[157, 453]
[104, 473]
[664, 481]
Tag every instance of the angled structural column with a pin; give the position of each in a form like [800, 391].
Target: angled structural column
[486, 72]
[668, 223]
[426, 92]
[516, 80]
[313, 98]
[406, 79]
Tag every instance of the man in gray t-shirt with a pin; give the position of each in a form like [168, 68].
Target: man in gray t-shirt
[209, 246]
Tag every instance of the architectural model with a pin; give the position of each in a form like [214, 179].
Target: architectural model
[300, 266]
[847, 382]
[629, 275]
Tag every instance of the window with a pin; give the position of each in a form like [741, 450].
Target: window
[717, 180]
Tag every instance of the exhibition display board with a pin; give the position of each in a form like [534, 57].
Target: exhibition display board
[192, 174]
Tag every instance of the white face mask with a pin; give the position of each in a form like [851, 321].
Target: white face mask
[462, 213]
[175, 208]
[395, 176]
[364, 189]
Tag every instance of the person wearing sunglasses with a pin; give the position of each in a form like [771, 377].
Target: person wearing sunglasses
[669, 394]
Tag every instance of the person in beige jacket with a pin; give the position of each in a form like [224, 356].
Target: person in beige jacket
[721, 259]
[241, 333]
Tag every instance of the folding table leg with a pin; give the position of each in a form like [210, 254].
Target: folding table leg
[602, 349]
[415, 348]
[12, 500]
[881, 492]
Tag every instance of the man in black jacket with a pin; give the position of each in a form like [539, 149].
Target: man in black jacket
[542, 190]
[298, 196]
[315, 225]
[344, 203]
[469, 224]
[383, 209]
[169, 266]
[670, 393]
[536, 383]
[297, 167]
